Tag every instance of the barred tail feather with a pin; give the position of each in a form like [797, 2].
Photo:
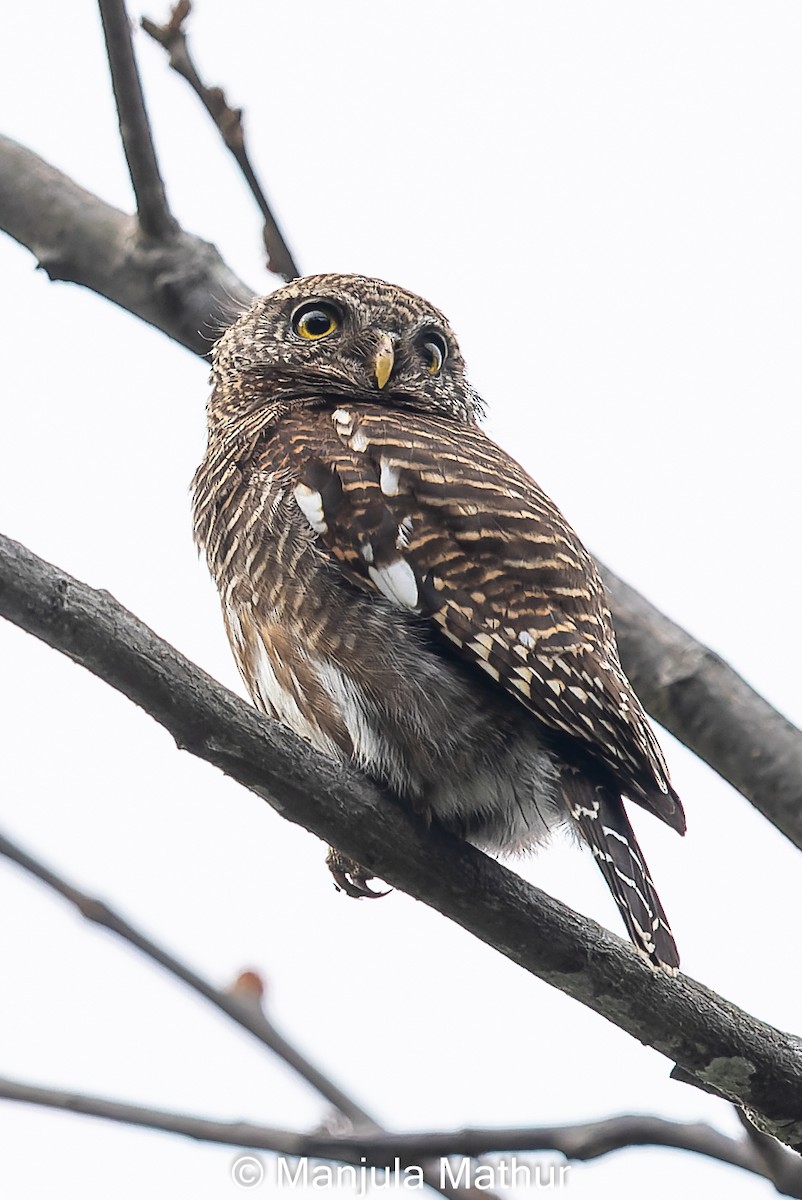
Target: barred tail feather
[603, 823]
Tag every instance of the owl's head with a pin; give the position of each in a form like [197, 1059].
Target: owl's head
[342, 336]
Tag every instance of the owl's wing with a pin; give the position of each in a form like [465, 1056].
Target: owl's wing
[440, 521]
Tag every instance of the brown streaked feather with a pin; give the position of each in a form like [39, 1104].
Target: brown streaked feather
[603, 822]
[443, 518]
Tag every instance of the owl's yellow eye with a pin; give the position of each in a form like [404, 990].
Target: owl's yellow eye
[434, 352]
[315, 321]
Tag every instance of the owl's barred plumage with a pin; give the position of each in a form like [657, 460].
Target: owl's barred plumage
[399, 591]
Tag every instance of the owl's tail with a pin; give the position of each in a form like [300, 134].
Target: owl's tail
[604, 825]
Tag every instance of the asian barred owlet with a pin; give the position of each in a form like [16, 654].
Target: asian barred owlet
[398, 591]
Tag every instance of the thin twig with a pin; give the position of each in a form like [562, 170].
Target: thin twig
[155, 217]
[228, 120]
[247, 1015]
[750, 1062]
[576, 1143]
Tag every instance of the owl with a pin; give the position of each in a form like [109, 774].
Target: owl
[400, 593]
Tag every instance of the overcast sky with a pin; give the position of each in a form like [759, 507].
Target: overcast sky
[604, 198]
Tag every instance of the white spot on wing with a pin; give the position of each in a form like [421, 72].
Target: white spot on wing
[348, 428]
[404, 530]
[311, 505]
[397, 582]
[389, 477]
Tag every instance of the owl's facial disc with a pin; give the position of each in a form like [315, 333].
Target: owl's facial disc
[325, 337]
[373, 356]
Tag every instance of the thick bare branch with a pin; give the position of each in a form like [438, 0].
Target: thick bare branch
[703, 702]
[249, 1016]
[228, 120]
[747, 1061]
[181, 285]
[155, 218]
[576, 1143]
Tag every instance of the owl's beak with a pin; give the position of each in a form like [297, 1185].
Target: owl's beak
[383, 360]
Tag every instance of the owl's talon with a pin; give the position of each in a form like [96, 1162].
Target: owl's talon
[352, 878]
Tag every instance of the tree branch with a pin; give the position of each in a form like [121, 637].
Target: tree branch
[181, 286]
[576, 1143]
[744, 1059]
[230, 125]
[248, 1016]
[704, 703]
[155, 218]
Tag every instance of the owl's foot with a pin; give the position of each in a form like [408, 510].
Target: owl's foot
[350, 877]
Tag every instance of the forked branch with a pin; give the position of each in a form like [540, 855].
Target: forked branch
[249, 1016]
[173, 37]
[576, 1143]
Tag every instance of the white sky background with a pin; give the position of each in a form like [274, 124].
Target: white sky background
[605, 200]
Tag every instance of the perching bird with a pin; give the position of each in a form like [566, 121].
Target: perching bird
[398, 590]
